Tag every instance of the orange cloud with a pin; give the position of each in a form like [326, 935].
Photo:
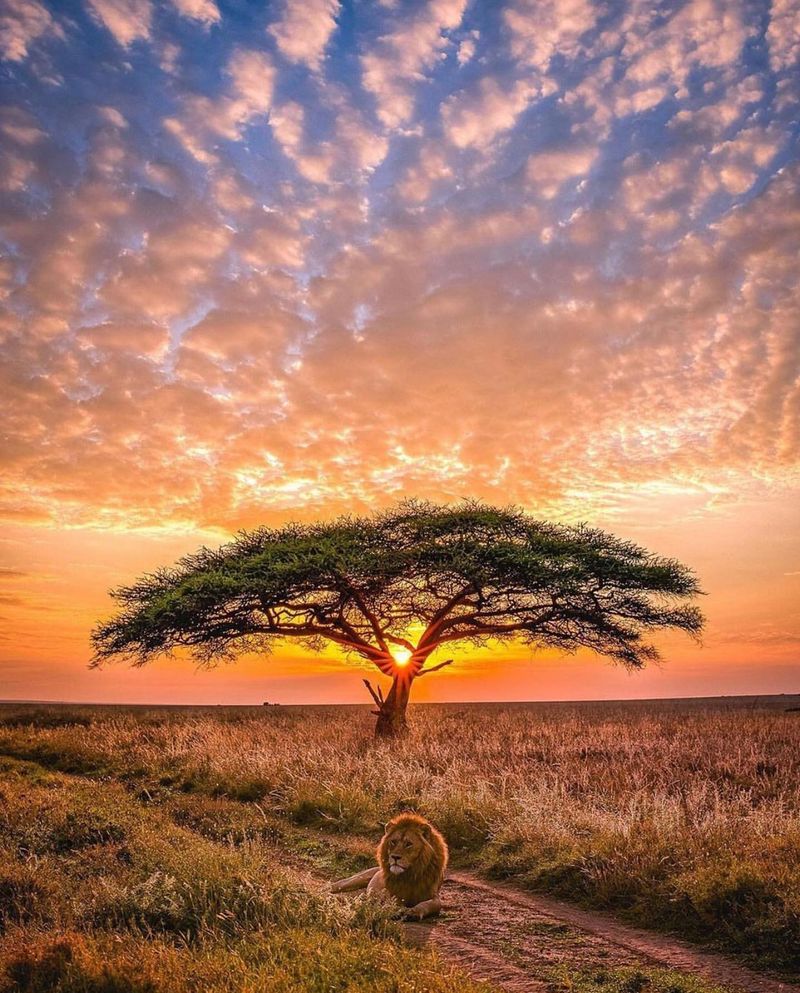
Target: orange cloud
[276, 269]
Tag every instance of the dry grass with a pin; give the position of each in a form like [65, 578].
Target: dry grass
[100, 893]
[683, 816]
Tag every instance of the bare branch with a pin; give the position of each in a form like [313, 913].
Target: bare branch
[402, 642]
[377, 630]
[441, 614]
[373, 694]
[434, 668]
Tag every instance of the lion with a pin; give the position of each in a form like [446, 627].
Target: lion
[412, 858]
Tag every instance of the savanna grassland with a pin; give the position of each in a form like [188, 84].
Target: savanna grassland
[169, 849]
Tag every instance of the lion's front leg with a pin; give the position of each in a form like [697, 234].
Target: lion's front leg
[358, 882]
[377, 885]
[427, 908]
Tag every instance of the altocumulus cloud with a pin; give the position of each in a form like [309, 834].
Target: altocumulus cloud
[313, 256]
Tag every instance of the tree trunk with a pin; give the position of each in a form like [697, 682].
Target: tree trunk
[392, 715]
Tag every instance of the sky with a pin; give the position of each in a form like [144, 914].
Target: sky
[279, 261]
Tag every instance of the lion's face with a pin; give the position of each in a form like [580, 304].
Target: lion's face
[412, 856]
[404, 846]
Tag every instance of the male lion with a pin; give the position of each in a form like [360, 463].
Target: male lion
[412, 858]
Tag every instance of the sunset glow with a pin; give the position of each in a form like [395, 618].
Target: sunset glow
[401, 656]
[283, 261]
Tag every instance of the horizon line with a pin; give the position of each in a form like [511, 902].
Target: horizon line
[424, 703]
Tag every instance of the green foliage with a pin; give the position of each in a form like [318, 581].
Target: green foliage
[468, 572]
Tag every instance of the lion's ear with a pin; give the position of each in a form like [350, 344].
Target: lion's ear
[387, 827]
[425, 831]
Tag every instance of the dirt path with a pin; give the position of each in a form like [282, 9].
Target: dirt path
[514, 938]
[499, 932]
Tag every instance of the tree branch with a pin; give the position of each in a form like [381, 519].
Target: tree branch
[313, 631]
[484, 630]
[433, 668]
[368, 614]
[377, 696]
[477, 627]
[441, 614]
[403, 642]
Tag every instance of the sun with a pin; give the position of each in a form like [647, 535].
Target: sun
[401, 656]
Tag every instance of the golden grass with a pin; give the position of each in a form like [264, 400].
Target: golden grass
[684, 816]
[100, 893]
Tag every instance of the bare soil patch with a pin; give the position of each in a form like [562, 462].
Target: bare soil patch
[497, 931]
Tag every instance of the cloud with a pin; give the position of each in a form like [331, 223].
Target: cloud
[20, 126]
[252, 75]
[304, 30]
[127, 20]
[431, 167]
[230, 338]
[22, 602]
[709, 33]
[163, 279]
[723, 109]
[534, 252]
[150, 340]
[18, 157]
[467, 47]
[547, 171]
[649, 58]
[288, 126]
[783, 35]
[354, 149]
[249, 94]
[205, 11]
[113, 116]
[540, 30]
[764, 634]
[273, 240]
[22, 22]
[573, 303]
[401, 57]
[474, 118]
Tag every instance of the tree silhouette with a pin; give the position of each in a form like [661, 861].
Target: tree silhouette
[396, 587]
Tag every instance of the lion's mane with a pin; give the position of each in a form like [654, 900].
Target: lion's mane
[423, 879]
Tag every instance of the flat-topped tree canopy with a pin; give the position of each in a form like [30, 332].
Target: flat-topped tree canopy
[467, 572]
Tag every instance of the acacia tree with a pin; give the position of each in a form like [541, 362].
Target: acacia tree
[396, 587]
